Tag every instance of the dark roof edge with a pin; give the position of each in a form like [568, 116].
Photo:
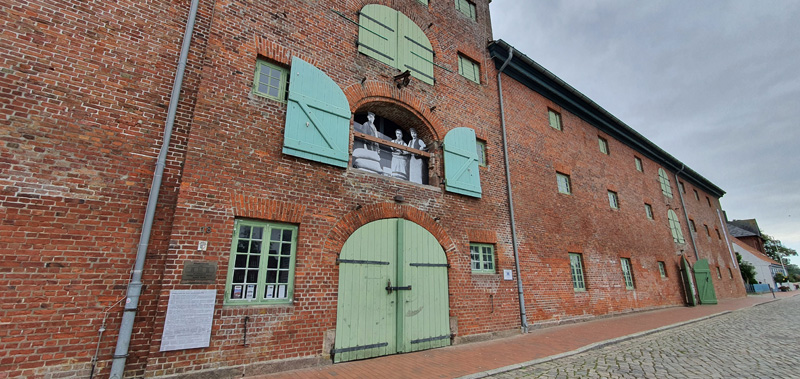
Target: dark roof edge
[531, 74]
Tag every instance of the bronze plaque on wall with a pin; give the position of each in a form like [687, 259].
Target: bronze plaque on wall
[199, 272]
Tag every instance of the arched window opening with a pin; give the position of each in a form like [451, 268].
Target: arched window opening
[384, 147]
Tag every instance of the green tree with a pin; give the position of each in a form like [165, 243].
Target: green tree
[775, 249]
[794, 272]
[748, 271]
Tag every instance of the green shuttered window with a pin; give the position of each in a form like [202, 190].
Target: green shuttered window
[467, 8]
[317, 117]
[392, 38]
[666, 189]
[469, 69]
[461, 162]
[261, 267]
[482, 257]
[675, 227]
[576, 268]
[627, 272]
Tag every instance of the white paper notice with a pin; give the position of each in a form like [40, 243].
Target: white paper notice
[190, 314]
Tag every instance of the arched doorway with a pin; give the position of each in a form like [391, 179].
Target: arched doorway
[393, 292]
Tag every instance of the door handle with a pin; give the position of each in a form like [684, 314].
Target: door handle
[389, 288]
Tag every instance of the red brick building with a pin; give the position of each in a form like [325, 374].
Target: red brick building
[335, 188]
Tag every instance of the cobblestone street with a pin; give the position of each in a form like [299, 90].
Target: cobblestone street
[756, 342]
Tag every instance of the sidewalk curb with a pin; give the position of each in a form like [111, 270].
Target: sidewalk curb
[598, 345]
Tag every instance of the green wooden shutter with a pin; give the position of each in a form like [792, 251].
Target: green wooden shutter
[461, 162]
[377, 36]
[317, 117]
[415, 52]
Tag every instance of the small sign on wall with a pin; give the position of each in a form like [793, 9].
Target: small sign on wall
[508, 275]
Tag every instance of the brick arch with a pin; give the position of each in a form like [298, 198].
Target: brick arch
[372, 91]
[368, 213]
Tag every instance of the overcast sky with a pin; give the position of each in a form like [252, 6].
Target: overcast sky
[714, 83]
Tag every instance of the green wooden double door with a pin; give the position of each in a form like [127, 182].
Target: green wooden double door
[393, 293]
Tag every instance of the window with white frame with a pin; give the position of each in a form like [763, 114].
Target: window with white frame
[576, 268]
[666, 189]
[564, 185]
[627, 272]
[603, 145]
[613, 200]
[261, 266]
[482, 256]
[480, 145]
[555, 119]
[675, 227]
[638, 162]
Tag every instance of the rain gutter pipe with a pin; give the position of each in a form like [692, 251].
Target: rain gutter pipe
[135, 284]
[522, 314]
[685, 213]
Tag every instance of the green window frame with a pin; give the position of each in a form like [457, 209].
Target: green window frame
[603, 145]
[423, 2]
[613, 200]
[648, 210]
[662, 269]
[270, 80]
[482, 257]
[627, 273]
[555, 119]
[480, 146]
[469, 69]
[576, 269]
[467, 8]
[564, 184]
[675, 227]
[638, 162]
[262, 262]
[666, 189]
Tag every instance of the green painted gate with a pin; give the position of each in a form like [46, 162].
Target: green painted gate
[705, 288]
[392, 292]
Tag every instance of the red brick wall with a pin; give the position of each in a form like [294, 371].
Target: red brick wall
[234, 159]
[550, 225]
[84, 88]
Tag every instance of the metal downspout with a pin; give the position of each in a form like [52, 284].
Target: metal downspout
[135, 284]
[522, 314]
[686, 214]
